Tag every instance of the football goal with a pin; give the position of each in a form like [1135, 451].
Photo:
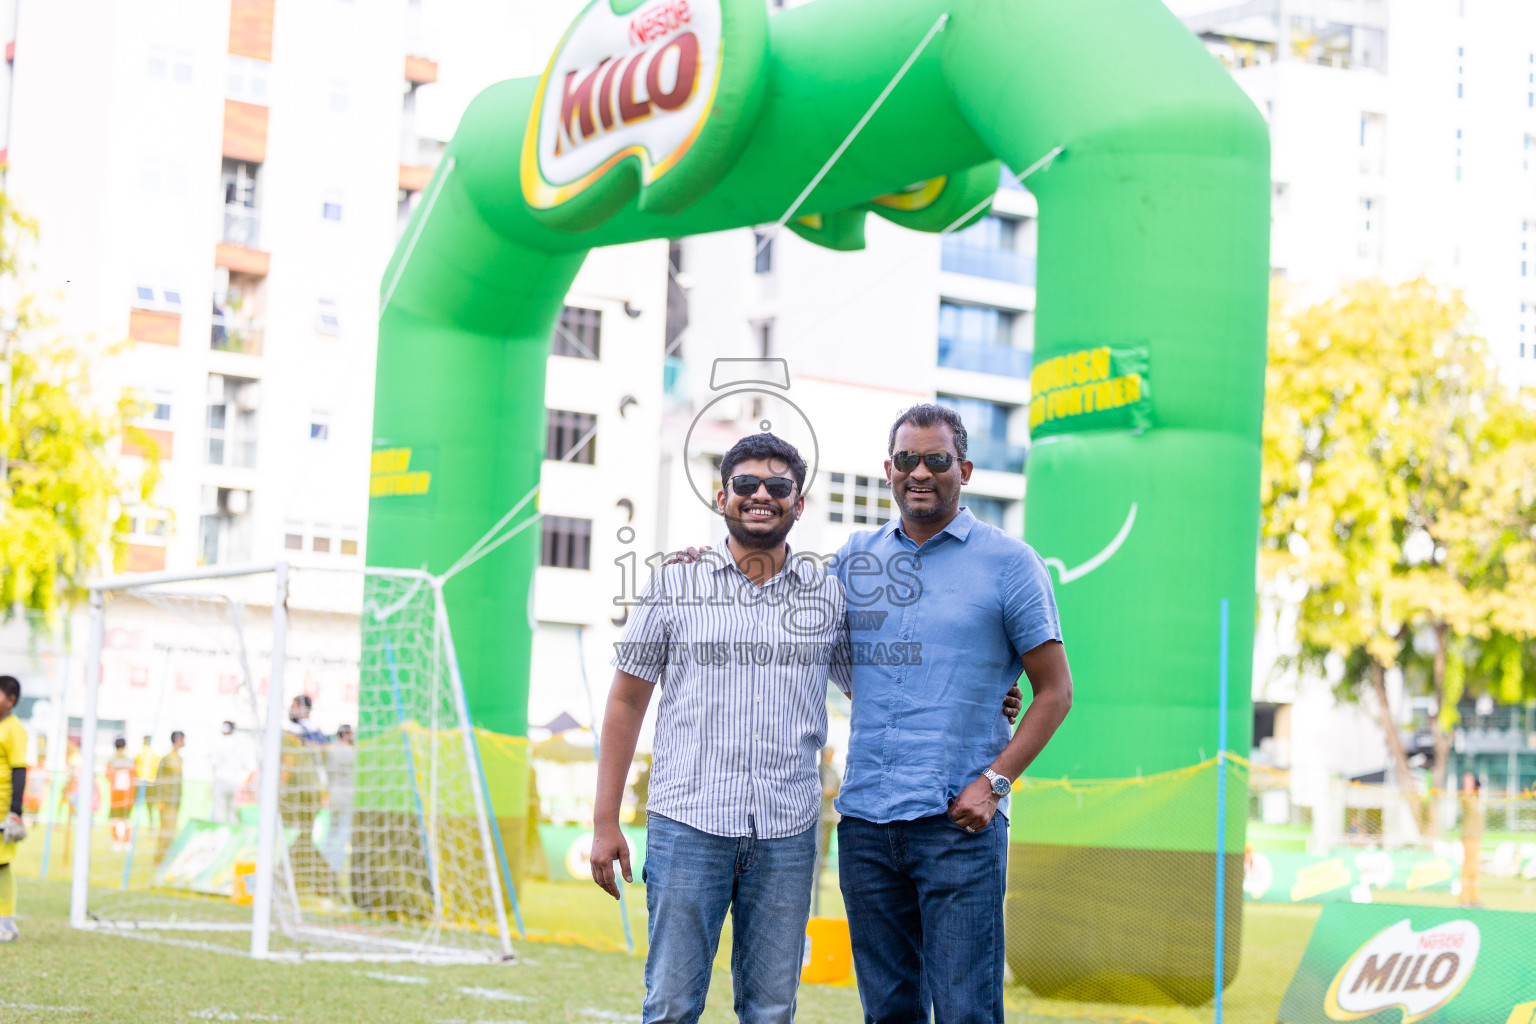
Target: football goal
[281, 759]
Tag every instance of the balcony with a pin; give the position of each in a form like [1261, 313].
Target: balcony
[996, 454]
[223, 452]
[230, 334]
[242, 226]
[994, 264]
[981, 357]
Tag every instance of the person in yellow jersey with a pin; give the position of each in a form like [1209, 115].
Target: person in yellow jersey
[1471, 841]
[167, 791]
[13, 786]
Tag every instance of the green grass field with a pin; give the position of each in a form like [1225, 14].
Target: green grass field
[58, 974]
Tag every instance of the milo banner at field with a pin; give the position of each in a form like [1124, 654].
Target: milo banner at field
[1396, 965]
[568, 851]
[202, 859]
[1350, 876]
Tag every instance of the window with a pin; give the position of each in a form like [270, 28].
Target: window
[571, 437]
[224, 529]
[867, 503]
[156, 407]
[166, 300]
[159, 62]
[319, 425]
[981, 339]
[579, 334]
[330, 205]
[247, 80]
[340, 97]
[762, 252]
[993, 247]
[293, 541]
[349, 547]
[980, 325]
[762, 332]
[320, 545]
[242, 221]
[988, 510]
[327, 321]
[149, 523]
[231, 421]
[567, 543]
[1370, 226]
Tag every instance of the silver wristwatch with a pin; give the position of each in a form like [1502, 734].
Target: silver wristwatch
[1000, 785]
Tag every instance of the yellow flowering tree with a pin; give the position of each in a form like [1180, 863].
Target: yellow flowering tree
[61, 490]
[1399, 501]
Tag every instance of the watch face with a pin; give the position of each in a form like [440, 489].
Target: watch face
[1000, 786]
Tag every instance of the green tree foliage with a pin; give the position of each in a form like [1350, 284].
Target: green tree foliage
[62, 490]
[1399, 500]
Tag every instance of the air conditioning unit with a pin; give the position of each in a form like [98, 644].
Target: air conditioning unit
[248, 398]
[234, 501]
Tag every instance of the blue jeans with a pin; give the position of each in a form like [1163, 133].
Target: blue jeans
[925, 912]
[691, 879]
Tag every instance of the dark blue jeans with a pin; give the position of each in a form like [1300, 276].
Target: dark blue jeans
[691, 879]
[925, 910]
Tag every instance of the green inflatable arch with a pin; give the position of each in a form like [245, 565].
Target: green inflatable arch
[675, 117]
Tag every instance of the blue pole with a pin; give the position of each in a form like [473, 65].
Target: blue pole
[501, 850]
[410, 757]
[1221, 819]
[139, 811]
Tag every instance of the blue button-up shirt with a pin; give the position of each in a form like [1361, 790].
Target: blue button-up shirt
[937, 633]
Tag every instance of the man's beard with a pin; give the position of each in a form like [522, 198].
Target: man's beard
[761, 541]
[937, 510]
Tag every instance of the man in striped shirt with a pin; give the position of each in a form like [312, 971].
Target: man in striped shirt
[743, 643]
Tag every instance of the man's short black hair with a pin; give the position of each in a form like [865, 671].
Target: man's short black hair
[120, 743]
[930, 414]
[11, 687]
[764, 446]
[178, 735]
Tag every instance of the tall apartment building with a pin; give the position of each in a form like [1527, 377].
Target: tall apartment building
[1404, 140]
[219, 183]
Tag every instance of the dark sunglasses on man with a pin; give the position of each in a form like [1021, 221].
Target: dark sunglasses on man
[745, 485]
[906, 462]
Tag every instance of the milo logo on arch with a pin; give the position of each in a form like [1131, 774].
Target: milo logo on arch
[1416, 972]
[653, 98]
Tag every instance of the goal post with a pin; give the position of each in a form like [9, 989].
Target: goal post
[266, 830]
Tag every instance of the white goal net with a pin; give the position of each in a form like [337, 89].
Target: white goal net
[282, 760]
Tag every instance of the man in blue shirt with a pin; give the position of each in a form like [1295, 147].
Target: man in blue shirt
[922, 846]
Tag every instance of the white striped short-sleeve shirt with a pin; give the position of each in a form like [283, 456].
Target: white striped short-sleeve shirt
[743, 672]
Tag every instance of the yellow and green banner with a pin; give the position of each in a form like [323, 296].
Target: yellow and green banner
[1382, 964]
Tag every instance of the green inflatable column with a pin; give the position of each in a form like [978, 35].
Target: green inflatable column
[458, 440]
[1153, 244]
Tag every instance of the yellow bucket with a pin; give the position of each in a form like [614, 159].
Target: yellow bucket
[244, 892]
[828, 952]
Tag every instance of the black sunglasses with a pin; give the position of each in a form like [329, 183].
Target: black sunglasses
[745, 485]
[906, 461]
